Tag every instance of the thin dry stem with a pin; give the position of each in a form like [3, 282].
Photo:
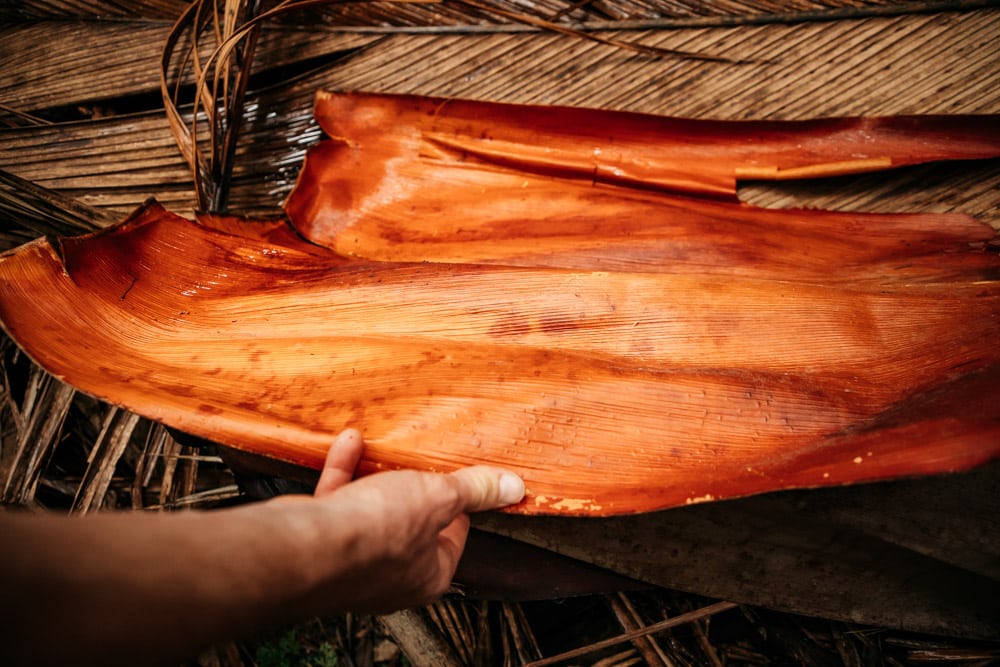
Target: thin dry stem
[222, 79]
[683, 619]
[630, 621]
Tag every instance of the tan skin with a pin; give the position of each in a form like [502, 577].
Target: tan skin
[155, 589]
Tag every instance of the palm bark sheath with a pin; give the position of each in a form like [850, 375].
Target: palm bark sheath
[576, 295]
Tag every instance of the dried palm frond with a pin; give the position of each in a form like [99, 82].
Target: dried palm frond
[219, 102]
[34, 10]
[221, 80]
[40, 212]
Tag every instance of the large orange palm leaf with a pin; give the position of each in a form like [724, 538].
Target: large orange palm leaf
[626, 341]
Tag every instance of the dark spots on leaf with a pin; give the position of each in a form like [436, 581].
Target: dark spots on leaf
[511, 325]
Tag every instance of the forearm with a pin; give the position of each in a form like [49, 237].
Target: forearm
[154, 588]
[143, 588]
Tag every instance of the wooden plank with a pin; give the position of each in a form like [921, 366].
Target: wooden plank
[418, 638]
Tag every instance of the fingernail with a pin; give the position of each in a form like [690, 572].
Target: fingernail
[511, 489]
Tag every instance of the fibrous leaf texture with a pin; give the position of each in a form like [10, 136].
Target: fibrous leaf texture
[577, 295]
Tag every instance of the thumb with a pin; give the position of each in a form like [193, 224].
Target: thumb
[341, 460]
[485, 488]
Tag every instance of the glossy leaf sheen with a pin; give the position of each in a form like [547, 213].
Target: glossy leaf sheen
[414, 179]
[624, 347]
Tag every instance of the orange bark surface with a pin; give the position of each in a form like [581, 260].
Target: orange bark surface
[662, 350]
[423, 179]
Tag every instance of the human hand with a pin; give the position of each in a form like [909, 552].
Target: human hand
[385, 542]
[407, 528]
